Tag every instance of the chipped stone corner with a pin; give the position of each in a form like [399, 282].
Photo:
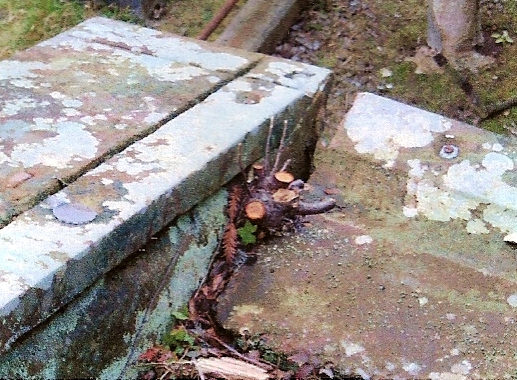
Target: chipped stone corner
[453, 171]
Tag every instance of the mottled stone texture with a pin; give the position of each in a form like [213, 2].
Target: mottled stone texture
[100, 332]
[139, 127]
[73, 100]
[411, 278]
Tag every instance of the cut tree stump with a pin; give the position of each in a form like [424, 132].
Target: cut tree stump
[255, 210]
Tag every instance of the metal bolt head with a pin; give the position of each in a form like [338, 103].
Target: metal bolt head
[449, 151]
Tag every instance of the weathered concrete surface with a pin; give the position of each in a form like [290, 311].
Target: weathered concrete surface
[145, 184]
[261, 24]
[411, 278]
[71, 101]
[101, 332]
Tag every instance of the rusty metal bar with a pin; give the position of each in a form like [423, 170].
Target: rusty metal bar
[216, 20]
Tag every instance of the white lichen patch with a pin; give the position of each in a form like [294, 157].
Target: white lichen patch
[512, 300]
[476, 226]
[12, 107]
[174, 74]
[463, 188]
[19, 73]
[351, 348]
[72, 140]
[446, 376]
[297, 76]
[154, 117]
[422, 301]
[381, 127]
[462, 368]
[71, 103]
[363, 239]
[137, 39]
[412, 368]
[11, 286]
[135, 167]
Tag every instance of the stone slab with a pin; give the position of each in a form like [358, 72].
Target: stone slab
[75, 99]
[261, 25]
[411, 277]
[45, 263]
[101, 332]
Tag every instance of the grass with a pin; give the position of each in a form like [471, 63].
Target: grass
[188, 18]
[24, 23]
[27, 22]
[382, 34]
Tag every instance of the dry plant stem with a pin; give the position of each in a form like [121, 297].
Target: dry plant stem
[492, 109]
[243, 357]
[285, 165]
[268, 147]
[281, 148]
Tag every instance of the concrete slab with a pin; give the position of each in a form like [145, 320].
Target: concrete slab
[412, 277]
[136, 163]
[101, 332]
[96, 88]
[261, 24]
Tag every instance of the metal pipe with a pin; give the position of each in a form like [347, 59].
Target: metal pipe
[216, 20]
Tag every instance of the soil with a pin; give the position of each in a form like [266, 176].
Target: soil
[371, 45]
[188, 18]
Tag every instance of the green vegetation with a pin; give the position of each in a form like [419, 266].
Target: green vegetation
[247, 233]
[382, 35]
[503, 37]
[25, 22]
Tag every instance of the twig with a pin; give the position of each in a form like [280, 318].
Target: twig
[260, 364]
[285, 165]
[492, 109]
[268, 142]
[166, 373]
[281, 148]
[306, 208]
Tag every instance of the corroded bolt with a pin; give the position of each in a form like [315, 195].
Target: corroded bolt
[449, 151]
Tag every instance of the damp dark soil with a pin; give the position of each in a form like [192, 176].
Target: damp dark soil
[371, 45]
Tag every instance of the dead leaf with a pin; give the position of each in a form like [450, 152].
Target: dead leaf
[425, 63]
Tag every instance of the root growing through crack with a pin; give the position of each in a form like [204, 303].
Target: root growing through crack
[268, 201]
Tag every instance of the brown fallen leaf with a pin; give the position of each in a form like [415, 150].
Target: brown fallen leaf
[425, 63]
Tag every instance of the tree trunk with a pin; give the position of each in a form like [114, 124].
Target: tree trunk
[454, 29]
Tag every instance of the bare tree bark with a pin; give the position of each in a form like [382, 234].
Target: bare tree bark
[454, 29]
